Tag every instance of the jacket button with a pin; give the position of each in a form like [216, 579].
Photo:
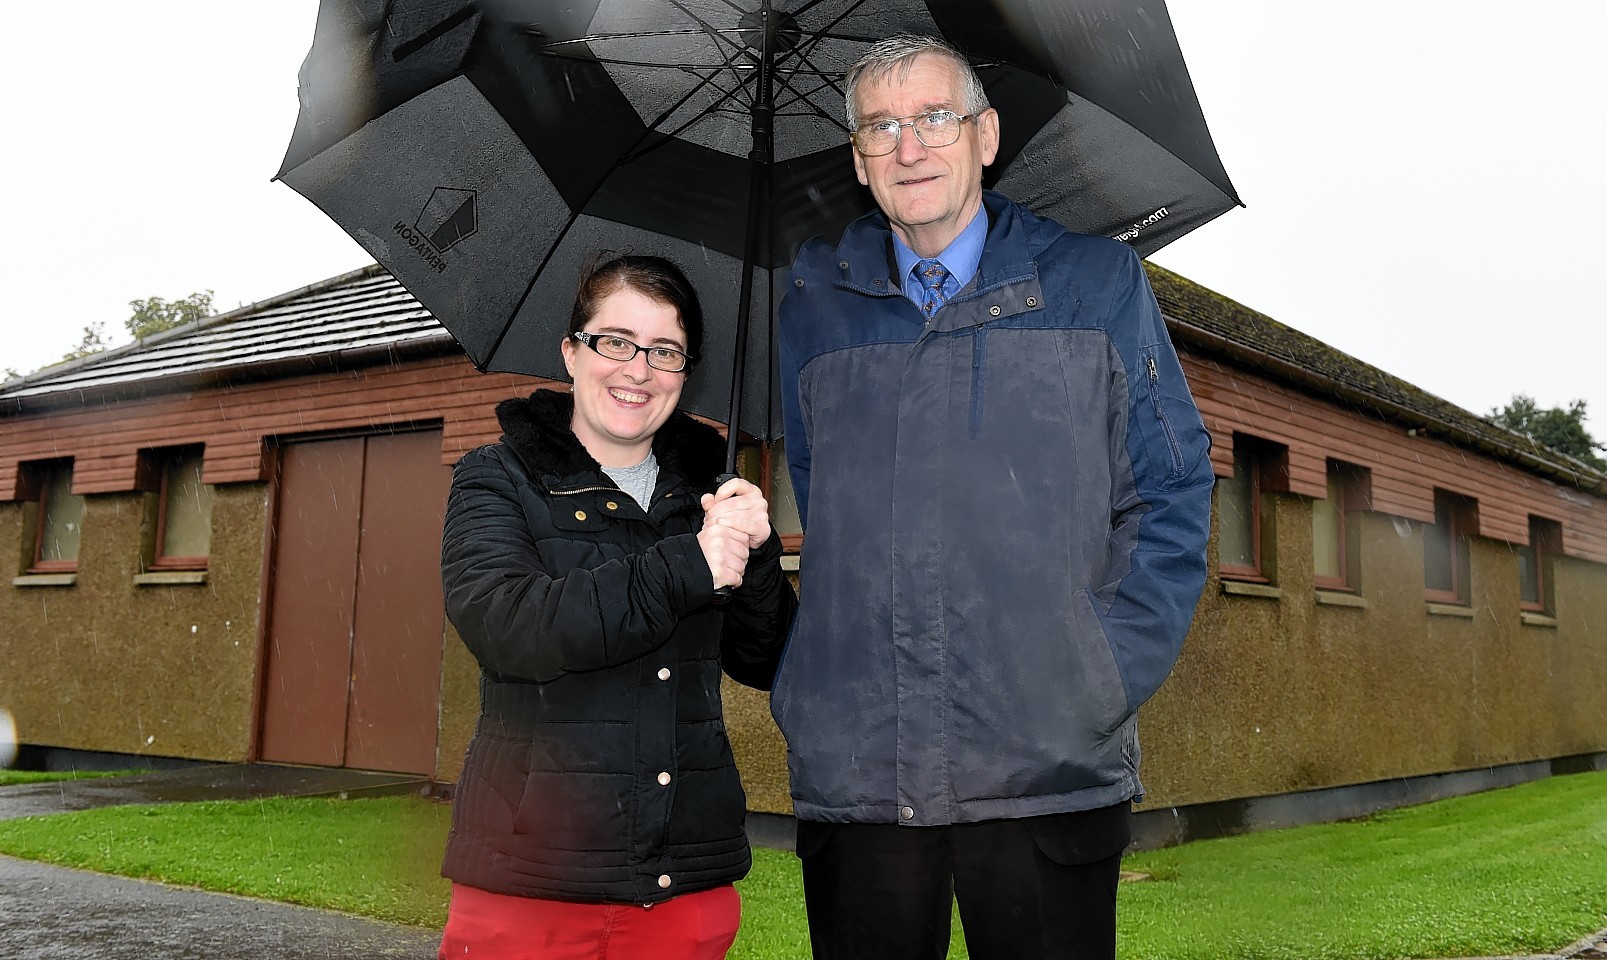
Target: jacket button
[906, 813]
[611, 505]
[664, 779]
[663, 673]
[664, 881]
[580, 514]
[1032, 301]
[842, 265]
[994, 310]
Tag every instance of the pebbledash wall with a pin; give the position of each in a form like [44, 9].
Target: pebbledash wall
[105, 663]
[1279, 692]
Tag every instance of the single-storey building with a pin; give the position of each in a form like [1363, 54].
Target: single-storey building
[224, 546]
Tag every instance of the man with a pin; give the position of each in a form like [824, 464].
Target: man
[1006, 496]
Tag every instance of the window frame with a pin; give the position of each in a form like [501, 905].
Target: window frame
[1267, 472]
[1545, 542]
[1349, 488]
[38, 475]
[768, 464]
[158, 465]
[1461, 513]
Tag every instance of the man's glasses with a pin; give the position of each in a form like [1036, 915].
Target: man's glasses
[666, 359]
[936, 129]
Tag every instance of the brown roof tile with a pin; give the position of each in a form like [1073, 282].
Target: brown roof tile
[1203, 321]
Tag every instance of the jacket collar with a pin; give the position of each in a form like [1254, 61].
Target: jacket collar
[537, 429]
[865, 257]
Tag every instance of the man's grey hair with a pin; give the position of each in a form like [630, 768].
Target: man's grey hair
[898, 54]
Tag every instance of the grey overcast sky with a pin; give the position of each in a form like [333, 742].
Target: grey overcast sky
[1423, 177]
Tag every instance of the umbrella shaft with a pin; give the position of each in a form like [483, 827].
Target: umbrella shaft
[763, 118]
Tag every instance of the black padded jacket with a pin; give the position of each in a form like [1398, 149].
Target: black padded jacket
[599, 770]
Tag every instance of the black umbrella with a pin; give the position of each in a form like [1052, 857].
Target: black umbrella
[482, 150]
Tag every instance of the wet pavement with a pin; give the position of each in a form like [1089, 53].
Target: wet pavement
[54, 913]
[244, 781]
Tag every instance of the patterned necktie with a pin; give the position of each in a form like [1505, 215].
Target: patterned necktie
[932, 275]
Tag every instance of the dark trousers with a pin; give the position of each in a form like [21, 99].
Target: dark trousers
[1039, 888]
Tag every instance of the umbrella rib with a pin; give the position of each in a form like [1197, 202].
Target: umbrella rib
[816, 38]
[732, 6]
[574, 215]
[726, 94]
[786, 79]
[447, 25]
[718, 38]
[700, 115]
[815, 3]
[823, 33]
[811, 107]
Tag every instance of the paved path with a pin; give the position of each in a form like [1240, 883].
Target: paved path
[243, 781]
[52, 913]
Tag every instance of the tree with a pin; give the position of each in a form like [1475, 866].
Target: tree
[1561, 430]
[152, 315]
[155, 314]
[92, 342]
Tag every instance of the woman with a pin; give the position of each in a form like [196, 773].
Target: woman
[599, 813]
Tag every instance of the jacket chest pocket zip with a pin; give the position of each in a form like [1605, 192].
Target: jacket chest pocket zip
[979, 349]
[1160, 414]
[570, 491]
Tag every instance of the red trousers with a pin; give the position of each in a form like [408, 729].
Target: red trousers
[492, 926]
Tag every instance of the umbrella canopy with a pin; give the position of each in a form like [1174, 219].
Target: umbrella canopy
[481, 151]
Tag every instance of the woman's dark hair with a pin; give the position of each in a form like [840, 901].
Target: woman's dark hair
[655, 278]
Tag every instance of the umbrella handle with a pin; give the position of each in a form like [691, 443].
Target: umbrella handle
[722, 596]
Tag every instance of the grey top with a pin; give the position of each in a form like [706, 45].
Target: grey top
[638, 481]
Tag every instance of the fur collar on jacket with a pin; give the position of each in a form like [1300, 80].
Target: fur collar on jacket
[537, 429]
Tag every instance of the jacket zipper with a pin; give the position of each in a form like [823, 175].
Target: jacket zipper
[979, 334]
[1160, 414]
[594, 489]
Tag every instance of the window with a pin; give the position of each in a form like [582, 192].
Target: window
[766, 468]
[1534, 565]
[1445, 548]
[178, 509]
[1336, 554]
[55, 517]
[1246, 535]
[783, 502]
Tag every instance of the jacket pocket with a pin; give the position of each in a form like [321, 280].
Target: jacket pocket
[1106, 692]
[1173, 421]
[576, 811]
[584, 513]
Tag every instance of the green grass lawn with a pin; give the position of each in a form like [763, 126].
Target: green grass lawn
[11, 778]
[1521, 870]
[1514, 871]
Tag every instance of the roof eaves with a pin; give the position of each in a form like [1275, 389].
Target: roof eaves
[1520, 450]
[156, 339]
[364, 355]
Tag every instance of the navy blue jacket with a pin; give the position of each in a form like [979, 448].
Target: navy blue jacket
[1006, 512]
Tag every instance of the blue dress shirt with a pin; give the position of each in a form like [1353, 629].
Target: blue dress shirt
[960, 258]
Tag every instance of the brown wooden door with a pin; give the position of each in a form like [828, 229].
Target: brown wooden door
[353, 665]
